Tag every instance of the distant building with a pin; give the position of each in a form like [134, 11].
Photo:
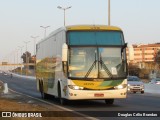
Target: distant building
[143, 55]
[145, 52]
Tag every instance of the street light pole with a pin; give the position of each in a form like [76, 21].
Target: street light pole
[26, 42]
[34, 37]
[45, 29]
[17, 59]
[109, 13]
[21, 55]
[64, 9]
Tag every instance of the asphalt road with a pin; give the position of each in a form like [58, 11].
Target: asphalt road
[134, 102]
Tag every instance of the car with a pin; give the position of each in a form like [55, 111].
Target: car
[135, 84]
[155, 81]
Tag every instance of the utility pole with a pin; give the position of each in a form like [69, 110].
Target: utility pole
[109, 11]
[21, 55]
[26, 42]
[34, 38]
[64, 9]
[45, 29]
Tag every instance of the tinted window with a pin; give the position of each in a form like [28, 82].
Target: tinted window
[133, 79]
[95, 38]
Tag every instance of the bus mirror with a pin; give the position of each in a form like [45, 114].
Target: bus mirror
[130, 52]
[64, 52]
[123, 47]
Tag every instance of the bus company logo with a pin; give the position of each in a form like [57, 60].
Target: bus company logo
[6, 114]
[88, 83]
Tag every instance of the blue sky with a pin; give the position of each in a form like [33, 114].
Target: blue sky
[20, 19]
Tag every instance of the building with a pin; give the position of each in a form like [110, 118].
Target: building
[143, 55]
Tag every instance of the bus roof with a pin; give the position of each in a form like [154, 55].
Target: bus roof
[92, 27]
[82, 27]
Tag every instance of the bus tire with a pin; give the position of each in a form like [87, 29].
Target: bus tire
[109, 101]
[61, 100]
[43, 95]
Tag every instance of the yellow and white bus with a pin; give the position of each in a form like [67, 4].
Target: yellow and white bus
[82, 62]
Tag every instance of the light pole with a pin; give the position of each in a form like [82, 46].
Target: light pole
[109, 11]
[17, 59]
[21, 55]
[64, 9]
[45, 29]
[26, 42]
[34, 37]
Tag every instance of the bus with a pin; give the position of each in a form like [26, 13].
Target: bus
[82, 62]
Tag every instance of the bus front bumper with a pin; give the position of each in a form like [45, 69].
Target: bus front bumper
[96, 94]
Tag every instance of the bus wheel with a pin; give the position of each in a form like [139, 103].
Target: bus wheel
[109, 101]
[61, 100]
[43, 95]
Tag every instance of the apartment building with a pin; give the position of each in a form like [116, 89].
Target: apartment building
[143, 56]
[144, 52]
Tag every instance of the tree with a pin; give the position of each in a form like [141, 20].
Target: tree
[133, 69]
[157, 59]
[29, 57]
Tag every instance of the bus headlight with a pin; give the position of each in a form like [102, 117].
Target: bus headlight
[120, 86]
[74, 87]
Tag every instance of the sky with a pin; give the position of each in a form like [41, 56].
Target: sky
[21, 19]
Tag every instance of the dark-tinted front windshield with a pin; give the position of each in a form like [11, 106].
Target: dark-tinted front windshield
[133, 78]
[96, 62]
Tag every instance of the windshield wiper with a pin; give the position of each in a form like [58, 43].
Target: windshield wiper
[90, 69]
[105, 67]
[102, 65]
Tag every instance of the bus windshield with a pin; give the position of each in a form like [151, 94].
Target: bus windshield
[96, 62]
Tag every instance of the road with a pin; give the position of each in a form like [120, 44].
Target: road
[134, 102]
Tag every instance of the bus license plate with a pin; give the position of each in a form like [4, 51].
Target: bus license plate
[98, 95]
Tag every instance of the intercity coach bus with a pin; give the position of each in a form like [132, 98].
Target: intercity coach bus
[82, 62]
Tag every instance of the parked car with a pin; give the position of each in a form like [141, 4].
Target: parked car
[135, 84]
[155, 81]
